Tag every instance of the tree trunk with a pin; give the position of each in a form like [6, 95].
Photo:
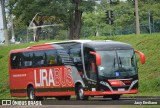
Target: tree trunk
[38, 30]
[75, 23]
[71, 25]
[4, 22]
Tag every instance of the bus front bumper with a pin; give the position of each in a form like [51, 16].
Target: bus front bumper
[100, 93]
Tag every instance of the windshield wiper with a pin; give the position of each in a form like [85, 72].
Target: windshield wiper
[120, 62]
[114, 63]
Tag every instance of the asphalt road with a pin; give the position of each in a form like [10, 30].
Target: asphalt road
[105, 101]
[96, 102]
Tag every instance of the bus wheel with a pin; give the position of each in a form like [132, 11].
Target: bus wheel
[80, 93]
[115, 97]
[31, 93]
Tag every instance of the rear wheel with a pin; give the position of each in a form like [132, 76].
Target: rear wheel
[80, 93]
[31, 93]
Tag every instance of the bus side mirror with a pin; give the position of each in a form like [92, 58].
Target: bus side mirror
[98, 58]
[141, 55]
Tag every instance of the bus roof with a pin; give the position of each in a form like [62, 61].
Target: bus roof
[108, 45]
[95, 44]
[79, 41]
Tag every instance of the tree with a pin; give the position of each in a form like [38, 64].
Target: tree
[146, 7]
[4, 22]
[68, 12]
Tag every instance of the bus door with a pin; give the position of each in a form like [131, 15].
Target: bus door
[91, 70]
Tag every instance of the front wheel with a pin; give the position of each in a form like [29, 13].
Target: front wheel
[80, 93]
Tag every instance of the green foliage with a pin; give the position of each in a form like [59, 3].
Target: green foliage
[61, 10]
[62, 35]
[124, 18]
[1, 56]
[94, 22]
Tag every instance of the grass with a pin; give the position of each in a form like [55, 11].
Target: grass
[149, 73]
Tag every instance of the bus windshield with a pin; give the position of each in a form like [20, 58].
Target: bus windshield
[119, 63]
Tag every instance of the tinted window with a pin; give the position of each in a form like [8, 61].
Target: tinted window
[63, 57]
[16, 61]
[39, 58]
[51, 58]
[27, 59]
[75, 54]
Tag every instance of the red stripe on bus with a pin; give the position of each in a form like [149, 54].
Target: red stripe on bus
[45, 94]
[99, 93]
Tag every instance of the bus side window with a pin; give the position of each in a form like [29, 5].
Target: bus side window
[39, 59]
[51, 58]
[27, 60]
[75, 54]
[16, 61]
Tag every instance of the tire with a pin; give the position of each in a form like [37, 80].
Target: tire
[80, 93]
[31, 93]
[115, 97]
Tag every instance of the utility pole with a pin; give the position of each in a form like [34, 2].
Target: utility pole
[137, 18]
[4, 22]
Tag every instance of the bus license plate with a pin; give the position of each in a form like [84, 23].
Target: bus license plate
[121, 89]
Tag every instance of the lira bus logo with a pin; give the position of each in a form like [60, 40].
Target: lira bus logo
[53, 77]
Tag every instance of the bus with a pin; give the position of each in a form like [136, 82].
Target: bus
[80, 68]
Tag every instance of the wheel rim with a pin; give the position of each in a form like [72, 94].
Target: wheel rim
[31, 95]
[81, 93]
